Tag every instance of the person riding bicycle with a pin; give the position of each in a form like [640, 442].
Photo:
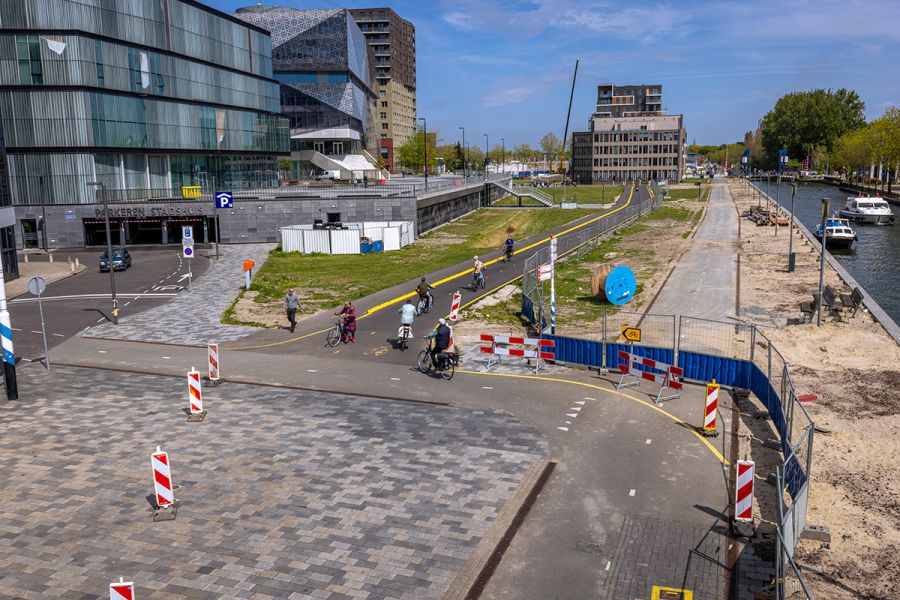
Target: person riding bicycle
[478, 270]
[407, 313]
[441, 340]
[423, 289]
[510, 244]
[349, 329]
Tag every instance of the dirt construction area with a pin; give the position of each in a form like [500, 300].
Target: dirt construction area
[851, 366]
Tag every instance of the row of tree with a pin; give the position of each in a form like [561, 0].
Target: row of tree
[873, 147]
[412, 153]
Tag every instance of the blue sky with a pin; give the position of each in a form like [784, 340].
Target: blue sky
[505, 67]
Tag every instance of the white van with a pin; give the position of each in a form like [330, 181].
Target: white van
[329, 175]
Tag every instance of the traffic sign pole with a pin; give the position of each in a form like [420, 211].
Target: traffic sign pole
[37, 286]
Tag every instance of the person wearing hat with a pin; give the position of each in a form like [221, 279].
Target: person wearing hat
[291, 304]
[441, 335]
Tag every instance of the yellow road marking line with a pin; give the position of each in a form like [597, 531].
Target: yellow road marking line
[384, 305]
[678, 421]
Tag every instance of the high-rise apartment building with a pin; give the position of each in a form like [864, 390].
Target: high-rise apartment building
[629, 138]
[393, 41]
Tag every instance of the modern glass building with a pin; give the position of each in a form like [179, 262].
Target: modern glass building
[143, 96]
[326, 68]
[7, 221]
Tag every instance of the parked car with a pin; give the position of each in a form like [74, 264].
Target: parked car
[329, 175]
[121, 260]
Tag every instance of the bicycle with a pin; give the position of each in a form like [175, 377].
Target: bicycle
[507, 254]
[446, 363]
[424, 304]
[335, 334]
[403, 335]
[477, 279]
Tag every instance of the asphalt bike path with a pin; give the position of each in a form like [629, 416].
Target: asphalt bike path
[378, 319]
[620, 460]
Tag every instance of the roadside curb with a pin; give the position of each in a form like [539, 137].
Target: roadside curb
[470, 582]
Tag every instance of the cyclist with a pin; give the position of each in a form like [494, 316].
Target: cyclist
[478, 271]
[407, 313]
[508, 251]
[424, 290]
[441, 339]
[349, 314]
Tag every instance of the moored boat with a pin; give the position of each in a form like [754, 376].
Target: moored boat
[838, 233]
[865, 209]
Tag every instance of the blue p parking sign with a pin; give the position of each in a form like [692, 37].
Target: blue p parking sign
[224, 200]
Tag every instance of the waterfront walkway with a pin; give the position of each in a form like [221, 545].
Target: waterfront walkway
[704, 282]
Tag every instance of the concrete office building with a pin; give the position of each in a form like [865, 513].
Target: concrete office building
[146, 97]
[629, 138]
[393, 41]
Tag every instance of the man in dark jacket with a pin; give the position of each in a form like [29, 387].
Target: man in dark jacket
[441, 336]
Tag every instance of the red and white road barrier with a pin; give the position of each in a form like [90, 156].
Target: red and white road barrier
[712, 406]
[195, 392]
[501, 345]
[743, 491]
[162, 479]
[667, 379]
[123, 590]
[454, 307]
[213, 352]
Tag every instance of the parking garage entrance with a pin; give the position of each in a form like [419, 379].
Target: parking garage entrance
[147, 231]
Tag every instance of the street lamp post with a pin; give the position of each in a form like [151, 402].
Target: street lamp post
[791, 259]
[43, 214]
[825, 202]
[109, 254]
[465, 173]
[486, 155]
[425, 144]
[503, 154]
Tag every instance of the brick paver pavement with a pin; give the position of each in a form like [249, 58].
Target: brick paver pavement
[285, 493]
[193, 317]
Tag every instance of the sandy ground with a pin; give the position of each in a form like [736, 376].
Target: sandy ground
[852, 366]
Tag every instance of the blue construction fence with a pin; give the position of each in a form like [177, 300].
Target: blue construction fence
[737, 373]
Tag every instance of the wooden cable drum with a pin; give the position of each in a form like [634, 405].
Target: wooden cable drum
[598, 281]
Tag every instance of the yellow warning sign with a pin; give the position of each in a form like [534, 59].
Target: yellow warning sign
[631, 334]
[667, 593]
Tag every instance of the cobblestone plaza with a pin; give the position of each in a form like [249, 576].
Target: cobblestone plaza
[285, 494]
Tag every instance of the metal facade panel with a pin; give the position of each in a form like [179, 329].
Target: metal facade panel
[291, 240]
[391, 238]
[317, 240]
[345, 241]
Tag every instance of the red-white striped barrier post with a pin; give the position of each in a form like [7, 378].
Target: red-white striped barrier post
[123, 590]
[213, 353]
[454, 307]
[542, 349]
[711, 409]
[164, 489]
[743, 491]
[667, 379]
[195, 396]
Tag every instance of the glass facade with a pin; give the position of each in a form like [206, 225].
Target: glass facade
[140, 94]
[7, 232]
[323, 63]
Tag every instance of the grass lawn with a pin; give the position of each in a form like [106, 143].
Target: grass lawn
[325, 281]
[513, 201]
[688, 193]
[585, 194]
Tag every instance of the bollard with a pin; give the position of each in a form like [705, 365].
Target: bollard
[710, 410]
[123, 590]
[212, 351]
[26, 257]
[743, 496]
[69, 259]
[195, 396]
[166, 504]
[77, 264]
[51, 258]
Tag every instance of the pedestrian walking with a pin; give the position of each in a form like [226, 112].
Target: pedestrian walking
[365, 180]
[291, 304]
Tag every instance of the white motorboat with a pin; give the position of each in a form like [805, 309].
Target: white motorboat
[864, 209]
[838, 233]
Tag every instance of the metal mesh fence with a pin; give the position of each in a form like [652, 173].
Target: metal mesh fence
[714, 337]
[656, 330]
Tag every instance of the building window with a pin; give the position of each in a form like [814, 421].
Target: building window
[381, 93]
[28, 53]
[384, 115]
[384, 125]
[98, 59]
[384, 104]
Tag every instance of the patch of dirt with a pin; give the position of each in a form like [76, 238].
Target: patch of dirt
[852, 367]
[266, 314]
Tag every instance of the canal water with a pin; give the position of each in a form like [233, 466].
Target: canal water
[874, 260]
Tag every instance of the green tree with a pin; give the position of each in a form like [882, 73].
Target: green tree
[551, 145]
[804, 121]
[412, 152]
[523, 152]
[451, 155]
